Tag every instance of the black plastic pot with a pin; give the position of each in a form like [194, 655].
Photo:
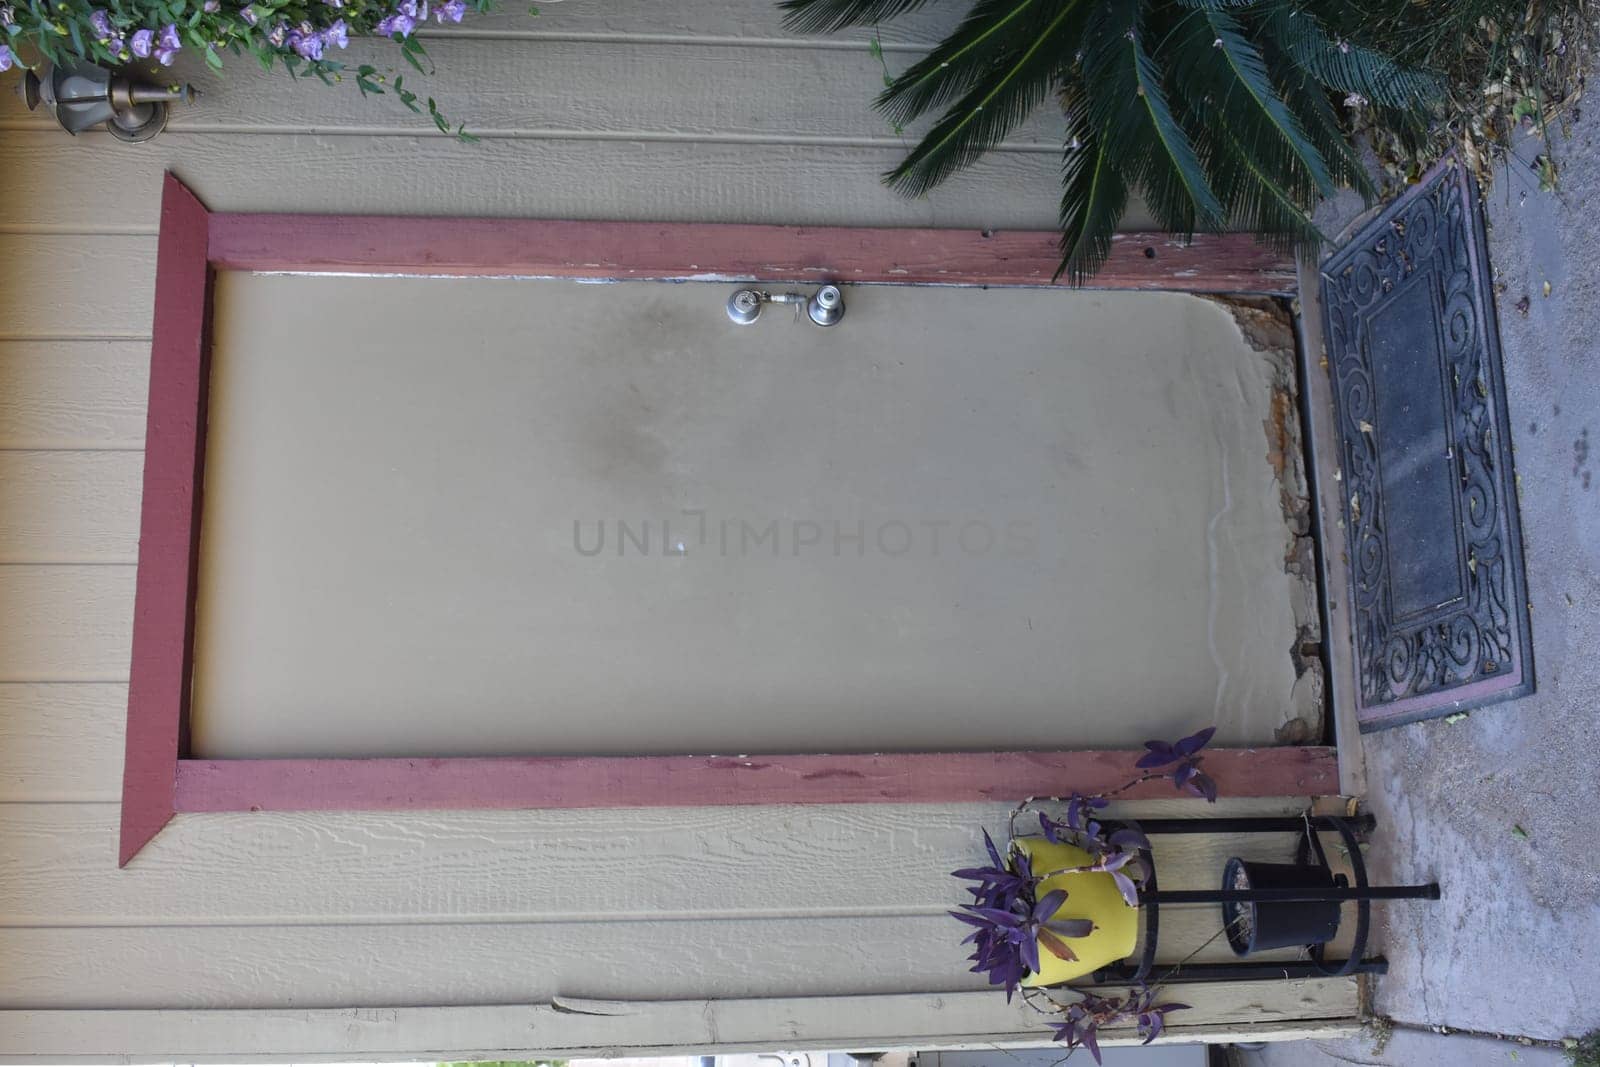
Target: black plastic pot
[1277, 924]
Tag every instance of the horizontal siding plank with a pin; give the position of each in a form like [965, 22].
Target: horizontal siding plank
[554, 88]
[78, 286]
[61, 742]
[610, 1029]
[65, 623]
[70, 507]
[571, 1028]
[312, 967]
[541, 868]
[73, 394]
[52, 178]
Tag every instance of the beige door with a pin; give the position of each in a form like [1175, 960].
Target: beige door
[511, 516]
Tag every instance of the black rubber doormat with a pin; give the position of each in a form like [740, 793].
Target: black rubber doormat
[1438, 593]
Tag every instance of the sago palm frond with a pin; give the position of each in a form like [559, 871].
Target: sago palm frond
[1264, 166]
[1220, 114]
[1310, 104]
[1347, 66]
[1094, 195]
[1129, 91]
[1016, 79]
[1245, 63]
[1262, 202]
[992, 31]
[828, 16]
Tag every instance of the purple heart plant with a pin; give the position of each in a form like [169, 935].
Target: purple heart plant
[1081, 1021]
[1012, 922]
[303, 36]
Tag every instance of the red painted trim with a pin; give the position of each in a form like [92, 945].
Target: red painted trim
[163, 610]
[1233, 263]
[663, 781]
[159, 781]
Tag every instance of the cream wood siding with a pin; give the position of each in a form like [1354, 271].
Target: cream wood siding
[628, 109]
[694, 110]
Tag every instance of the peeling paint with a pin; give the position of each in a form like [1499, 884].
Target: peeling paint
[1268, 328]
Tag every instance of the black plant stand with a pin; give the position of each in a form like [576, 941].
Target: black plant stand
[1334, 889]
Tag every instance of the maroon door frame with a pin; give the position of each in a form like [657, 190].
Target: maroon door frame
[159, 778]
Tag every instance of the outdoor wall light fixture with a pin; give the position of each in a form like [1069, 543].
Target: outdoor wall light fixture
[825, 307]
[81, 95]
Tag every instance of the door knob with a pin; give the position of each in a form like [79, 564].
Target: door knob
[825, 307]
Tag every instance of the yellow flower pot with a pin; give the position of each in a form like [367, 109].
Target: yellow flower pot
[1091, 895]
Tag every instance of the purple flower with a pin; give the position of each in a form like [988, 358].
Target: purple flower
[142, 43]
[452, 10]
[1081, 809]
[397, 23]
[334, 3]
[211, 7]
[278, 34]
[1196, 781]
[100, 22]
[8, 16]
[338, 34]
[248, 14]
[306, 42]
[168, 44]
[6, 58]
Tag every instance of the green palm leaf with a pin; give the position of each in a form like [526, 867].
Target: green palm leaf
[1347, 66]
[1321, 124]
[1217, 112]
[1260, 201]
[1250, 70]
[992, 31]
[1093, 197]
[1129, 111]
[1179, 160]
[828, 16]
[992, 108]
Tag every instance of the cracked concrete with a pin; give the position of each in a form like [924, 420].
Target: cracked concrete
[1499, 806]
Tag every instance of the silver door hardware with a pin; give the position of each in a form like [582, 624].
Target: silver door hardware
[825, 307]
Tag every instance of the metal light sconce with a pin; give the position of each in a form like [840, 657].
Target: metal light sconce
[825, 307]
[81, 95]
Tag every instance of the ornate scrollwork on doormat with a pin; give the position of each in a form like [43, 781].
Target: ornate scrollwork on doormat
[1437, 595]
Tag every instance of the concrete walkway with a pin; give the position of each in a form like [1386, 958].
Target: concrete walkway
[1501, 806]
[1405, 1048]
